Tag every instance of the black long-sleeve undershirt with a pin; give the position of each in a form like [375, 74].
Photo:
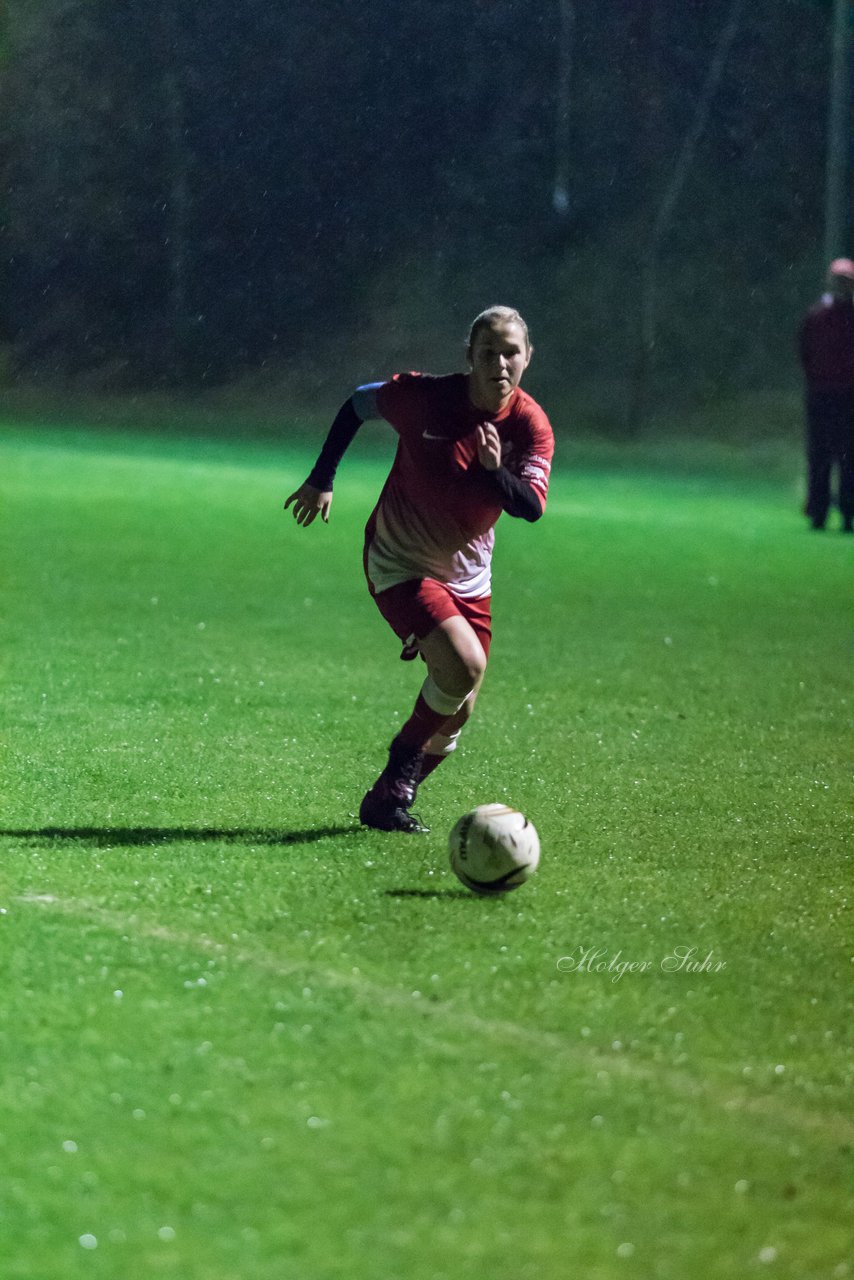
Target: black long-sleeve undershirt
[517, 498]
[340, 437]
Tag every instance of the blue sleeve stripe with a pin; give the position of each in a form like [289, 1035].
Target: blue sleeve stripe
[364, 401]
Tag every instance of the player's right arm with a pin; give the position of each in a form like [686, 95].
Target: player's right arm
[314, 497]
[309, 503]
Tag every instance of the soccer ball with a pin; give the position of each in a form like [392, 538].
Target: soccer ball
[493, 849]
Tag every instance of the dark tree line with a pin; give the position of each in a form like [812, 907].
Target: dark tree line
[190, 187]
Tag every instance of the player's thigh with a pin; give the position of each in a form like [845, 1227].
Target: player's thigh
[454, 656]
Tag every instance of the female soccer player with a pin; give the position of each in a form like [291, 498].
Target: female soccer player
[470, 446]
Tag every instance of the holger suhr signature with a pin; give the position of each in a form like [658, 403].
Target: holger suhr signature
[680, 959]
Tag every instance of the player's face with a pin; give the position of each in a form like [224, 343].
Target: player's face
[841, 286]
[499, 357]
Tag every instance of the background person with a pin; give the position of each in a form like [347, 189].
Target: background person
[471, 445]
[827, 357]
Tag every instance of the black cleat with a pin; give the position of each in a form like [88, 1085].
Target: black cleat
[381, 814]
[385, 807]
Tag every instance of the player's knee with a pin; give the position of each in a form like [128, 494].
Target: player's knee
[466, 673]
[443, 698]
[473, 665]
[455, 657]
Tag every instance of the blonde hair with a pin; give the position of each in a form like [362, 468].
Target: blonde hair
[492, 316]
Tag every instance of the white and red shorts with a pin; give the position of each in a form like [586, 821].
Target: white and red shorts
[413, 608]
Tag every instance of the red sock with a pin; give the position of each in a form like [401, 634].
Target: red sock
[428, 764]
[421, 725]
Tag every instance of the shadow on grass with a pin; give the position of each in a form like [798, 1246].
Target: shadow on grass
[110, 836]
[429, 893]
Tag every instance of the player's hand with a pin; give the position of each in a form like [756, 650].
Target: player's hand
[489, 446]
[309, 503]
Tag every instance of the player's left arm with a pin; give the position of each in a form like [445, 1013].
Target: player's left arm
[524, 495]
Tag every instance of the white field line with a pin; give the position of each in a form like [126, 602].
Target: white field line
[838, 1127]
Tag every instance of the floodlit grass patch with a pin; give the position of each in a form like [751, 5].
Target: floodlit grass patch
[243, 1037]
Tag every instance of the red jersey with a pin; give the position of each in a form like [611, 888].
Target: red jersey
[436, 515]
[827, 345]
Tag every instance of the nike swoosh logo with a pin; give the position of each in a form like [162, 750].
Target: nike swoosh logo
[426, 435]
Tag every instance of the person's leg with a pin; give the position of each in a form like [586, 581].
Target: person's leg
[444, 741]
[455, 665]
[819, 426]
[845, 460]
[455, 660]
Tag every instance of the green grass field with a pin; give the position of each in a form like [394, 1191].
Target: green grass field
[244, 1039]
